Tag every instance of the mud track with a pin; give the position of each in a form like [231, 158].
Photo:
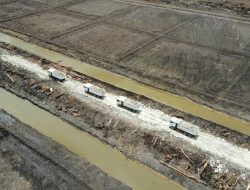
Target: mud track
[183, 163]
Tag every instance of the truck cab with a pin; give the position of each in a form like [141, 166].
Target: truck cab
[174, 122]
[120, 100]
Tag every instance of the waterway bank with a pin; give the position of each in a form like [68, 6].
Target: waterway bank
[137, 144]
[134, 174]
[210, 127]
[178, 102]
[43, 163]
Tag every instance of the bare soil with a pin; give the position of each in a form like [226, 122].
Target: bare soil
[11, 179]
[15, 9]
[54, 2]
[113, 42]
[97, 7]
[225, 34]
[212, 128]
[32, 161]
[238, 7]
[151, 19]
[200, 56]
[145, 146]
[49, 23]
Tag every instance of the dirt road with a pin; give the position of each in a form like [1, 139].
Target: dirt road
[146, 119]
[157, 45]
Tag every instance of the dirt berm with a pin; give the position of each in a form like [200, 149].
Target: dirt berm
[32, 161]
[184, 164]
[212, 128]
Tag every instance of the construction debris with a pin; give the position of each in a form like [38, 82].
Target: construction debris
[191, 164]
[12, 80]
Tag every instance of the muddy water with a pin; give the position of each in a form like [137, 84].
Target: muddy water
[103, 156]
[161, 96]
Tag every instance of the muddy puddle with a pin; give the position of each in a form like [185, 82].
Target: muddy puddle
[109, 160]
[178, 102]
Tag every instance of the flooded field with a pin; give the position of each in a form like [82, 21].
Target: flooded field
[164, 97]
[106, 158]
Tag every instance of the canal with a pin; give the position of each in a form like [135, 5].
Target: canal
[164, 97]
[108, 159]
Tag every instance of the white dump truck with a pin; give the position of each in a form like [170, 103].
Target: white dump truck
[125, 102]
[56, 75]
[94, 90]
[185, 127]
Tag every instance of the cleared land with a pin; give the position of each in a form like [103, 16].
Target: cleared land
[187, 67]
[106, 40]
[203, 57]
[206, 59]
[233, 7]
[148, 146]
[216, 33]
[151, 19]
[241, 89]
[16, 9]
[11, 179]
[97, 7]
[54, 2]
[47, 24]
[5, 1]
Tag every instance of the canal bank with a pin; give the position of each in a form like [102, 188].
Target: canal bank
[30, 160]
[148, 147]
[104, 157]
[161, 96]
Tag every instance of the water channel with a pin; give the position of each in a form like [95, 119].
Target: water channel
[164, 97]
[111, 161]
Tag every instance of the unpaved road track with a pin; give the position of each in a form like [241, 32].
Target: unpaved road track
[119, 81]
[142, 144]
[202, 56]
[151, 119]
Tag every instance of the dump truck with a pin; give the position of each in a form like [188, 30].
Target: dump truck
[125, 102]
[184, 127]
[94, 90]
[56, 75]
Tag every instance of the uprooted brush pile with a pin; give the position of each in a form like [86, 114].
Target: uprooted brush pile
[212, 128]
[191, 163]
[199, 167]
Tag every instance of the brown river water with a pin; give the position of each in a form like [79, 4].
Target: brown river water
[164, 97]
[108, 159]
